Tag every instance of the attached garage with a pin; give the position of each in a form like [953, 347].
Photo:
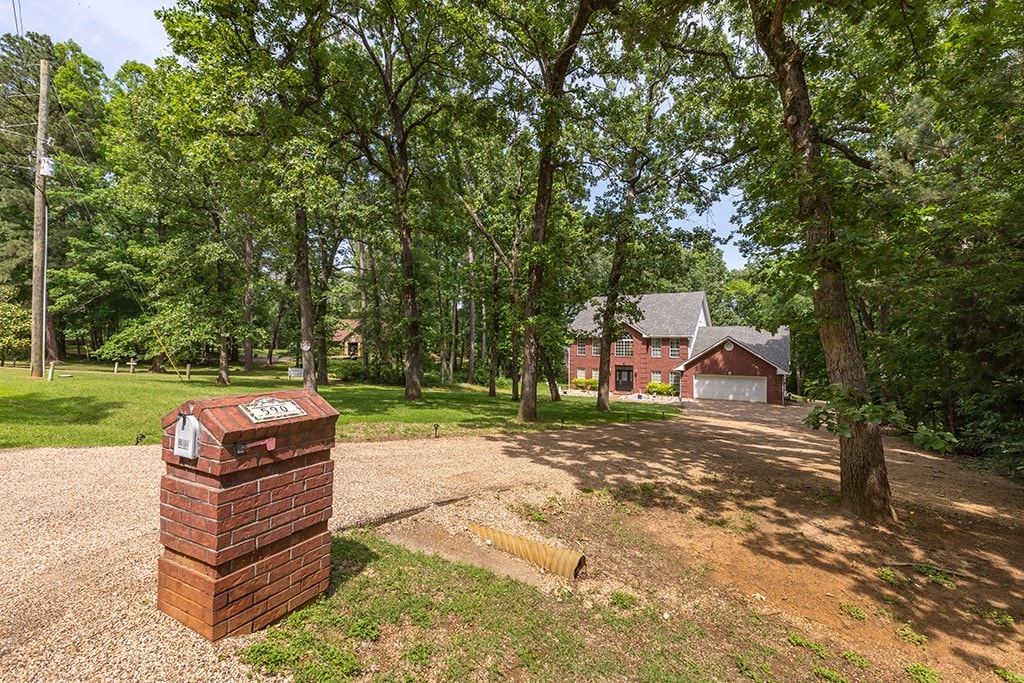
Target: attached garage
[737, 364]
[731, 388]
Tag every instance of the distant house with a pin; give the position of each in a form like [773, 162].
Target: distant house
[348, 338]
[673, 342]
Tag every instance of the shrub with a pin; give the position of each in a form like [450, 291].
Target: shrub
[660, 389]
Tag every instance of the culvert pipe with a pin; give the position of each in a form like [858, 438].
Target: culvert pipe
[561, 561]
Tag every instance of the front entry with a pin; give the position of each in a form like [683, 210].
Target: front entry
[624, 378]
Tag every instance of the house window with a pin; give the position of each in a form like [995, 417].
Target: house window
[596, 347]
[595, 373]
[624, 348]
[581, 373]
[673, 348]
[581, 348]
[656, 376]
[656, 348]
[673, 380]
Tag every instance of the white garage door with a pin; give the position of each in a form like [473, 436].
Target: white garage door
[731, 388]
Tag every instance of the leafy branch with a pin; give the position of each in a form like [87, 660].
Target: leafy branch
[843, 408]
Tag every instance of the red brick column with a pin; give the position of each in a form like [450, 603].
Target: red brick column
[244, 525]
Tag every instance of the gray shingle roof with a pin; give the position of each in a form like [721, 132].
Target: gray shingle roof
[663, 315]
[774, 348]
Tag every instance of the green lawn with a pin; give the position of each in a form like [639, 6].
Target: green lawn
[95, 407]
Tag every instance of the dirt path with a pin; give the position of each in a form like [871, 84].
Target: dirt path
[79, 534]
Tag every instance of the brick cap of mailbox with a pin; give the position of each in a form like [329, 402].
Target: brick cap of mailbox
[244, 525]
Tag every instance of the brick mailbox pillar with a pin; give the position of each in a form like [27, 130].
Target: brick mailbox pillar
[244, 522]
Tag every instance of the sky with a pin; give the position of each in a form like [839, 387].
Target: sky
[116, 31]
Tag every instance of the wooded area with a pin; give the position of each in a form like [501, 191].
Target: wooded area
[461, 178]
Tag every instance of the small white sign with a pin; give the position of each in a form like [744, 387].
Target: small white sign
[270, 408]
[305, 345]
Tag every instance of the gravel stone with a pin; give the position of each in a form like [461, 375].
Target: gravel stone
[79, 542]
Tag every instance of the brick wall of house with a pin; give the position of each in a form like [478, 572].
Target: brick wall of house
[642, 362]
[738, 362]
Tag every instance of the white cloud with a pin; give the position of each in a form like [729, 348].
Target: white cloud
[111, 31]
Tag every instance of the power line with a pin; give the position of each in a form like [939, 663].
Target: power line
[19, 25]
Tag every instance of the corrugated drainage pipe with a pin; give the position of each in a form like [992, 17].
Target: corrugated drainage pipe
[566, 563]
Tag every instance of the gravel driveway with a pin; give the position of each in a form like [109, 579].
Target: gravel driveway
[79, 545]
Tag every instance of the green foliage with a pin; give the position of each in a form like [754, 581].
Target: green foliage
[826, 674]
[585, 384]
[797, 640]
[853, 611]
[622, 600]
[748, 668]
[889, 576]
[843, 408]
[922, 673]
[15, 327]
[856, 659]
[935, 575]
[1010, 676]
[1000, 617]
[660, 389]
[907, 634]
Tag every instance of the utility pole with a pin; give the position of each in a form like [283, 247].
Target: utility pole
[36, 359]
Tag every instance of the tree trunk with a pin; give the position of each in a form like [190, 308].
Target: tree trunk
[554, 73]
[363, 326]
[609, 317]
[324, 336]
[410, 305]
[471, 351]
[275, 331]
[454, 339]
[378, 325]
[549, 374]
[305, 296]
[224, 355]
[864, 482]
[249, 357]
[514, 369]
[492, 378]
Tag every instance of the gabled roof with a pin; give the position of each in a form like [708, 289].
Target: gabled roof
[346, 329]
[662, 315]
[773, 348]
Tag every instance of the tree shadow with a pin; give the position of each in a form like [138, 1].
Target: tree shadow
[724, 460]
[38, 408]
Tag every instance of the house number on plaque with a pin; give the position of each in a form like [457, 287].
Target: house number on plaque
[270, 408]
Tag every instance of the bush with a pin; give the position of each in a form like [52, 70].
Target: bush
[585, 384]
[660, 389]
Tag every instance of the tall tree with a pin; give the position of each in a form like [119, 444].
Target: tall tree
[541, 47]
[864, 482]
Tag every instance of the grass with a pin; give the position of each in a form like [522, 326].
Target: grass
[853, 611]
[922, 673]
[856, 659]
[1009, 676]
[908, 635]
[935, 575]
[418, 617]
[95, 407]
[889, 576]
[797, 640]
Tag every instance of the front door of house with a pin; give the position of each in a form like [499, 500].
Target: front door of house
[624, 378]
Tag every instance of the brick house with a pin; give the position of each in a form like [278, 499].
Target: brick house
[673, 342]
[348, 338]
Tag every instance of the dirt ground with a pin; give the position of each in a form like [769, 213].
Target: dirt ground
[737, 500]
[748, 497]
